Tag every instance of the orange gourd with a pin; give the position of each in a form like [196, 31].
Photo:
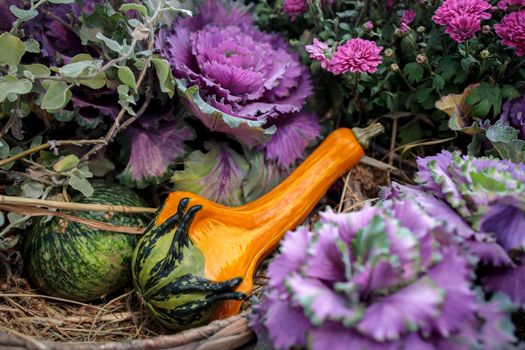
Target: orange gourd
[191, 267]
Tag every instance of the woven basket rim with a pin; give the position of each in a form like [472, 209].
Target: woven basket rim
[229, 333]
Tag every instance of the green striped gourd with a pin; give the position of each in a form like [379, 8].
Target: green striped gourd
[70, 260]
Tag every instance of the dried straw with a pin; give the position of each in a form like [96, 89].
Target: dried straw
[42, 322]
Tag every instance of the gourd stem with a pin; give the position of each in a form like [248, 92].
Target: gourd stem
[364, 135]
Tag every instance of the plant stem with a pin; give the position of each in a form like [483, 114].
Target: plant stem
[116, 124]
[73, 206]
[18, 22]
[47, 145]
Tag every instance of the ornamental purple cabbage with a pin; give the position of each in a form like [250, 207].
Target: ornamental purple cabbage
[386, 277]
[514, 112]
[233, 77]
[483, 202]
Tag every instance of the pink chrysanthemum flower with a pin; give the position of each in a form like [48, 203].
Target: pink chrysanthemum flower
[511, 30]
[318, 51]
[406, 19]
[357, 56]
[450, 9]
[294, 7]
[511, 4]
[463, 27]
[408, 16]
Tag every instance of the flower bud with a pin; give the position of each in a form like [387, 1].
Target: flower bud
[421, 29]
[389, 53]
[485, 29]
[368, 26]
[394, 67]
[484, 54]
[421, 58]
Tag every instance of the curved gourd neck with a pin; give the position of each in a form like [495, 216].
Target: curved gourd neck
[295, 197]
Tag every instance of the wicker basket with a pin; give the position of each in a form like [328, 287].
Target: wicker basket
[32, 321]
[230, 333]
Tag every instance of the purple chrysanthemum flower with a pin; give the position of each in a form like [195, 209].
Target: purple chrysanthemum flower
[320, 52]
[386, 277]
[509, 5]
[512, 31]
[483, 201]
[450, 9]
[295, 7]
[463, 27]
[235, 78]
[357, 56]
[514, 112]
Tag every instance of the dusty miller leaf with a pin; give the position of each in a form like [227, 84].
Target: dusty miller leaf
[11, 49]
[78, 181]
[32, 189]
[127, 77]
[57, 95]
[11, 85]
[66, 163]
[32, 46]
[167, 83]
[24, 15]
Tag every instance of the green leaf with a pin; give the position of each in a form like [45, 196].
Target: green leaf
[422, 94]
[80, 68]
[57, 95]
[414, 72]
[66, 163]
[167, 83]
[127, 77]
[134, 7]
[32, 46]
[111, 44]
[175, 6]
[4, 149]
[24, 15]
[36, 69]
[61, 1]
[438, 82]
[11, 49]
[32, 189]
[11, 85]
[64, 115]
[467, 62]
[483, 98]
[447, 68]
[509, 92]
[505, 140]
[78, 181]
[96, 82]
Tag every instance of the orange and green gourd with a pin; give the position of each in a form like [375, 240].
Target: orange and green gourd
[196, 260]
